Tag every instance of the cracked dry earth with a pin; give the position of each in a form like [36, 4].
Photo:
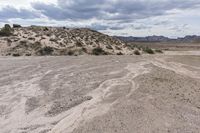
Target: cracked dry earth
[106, 94]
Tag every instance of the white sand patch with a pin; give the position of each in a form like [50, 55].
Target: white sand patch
[88, 110]
[182, 52]
[176, 67]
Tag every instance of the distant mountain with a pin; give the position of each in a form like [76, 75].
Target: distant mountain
[186, 39]
[143, 39]
[192, 38]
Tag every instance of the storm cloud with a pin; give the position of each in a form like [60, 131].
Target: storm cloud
[103, 14]
[9, 12]
[111, 9]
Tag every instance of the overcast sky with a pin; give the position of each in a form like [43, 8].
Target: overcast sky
[170, 18]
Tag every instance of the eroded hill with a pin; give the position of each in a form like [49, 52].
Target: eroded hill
[59, 41]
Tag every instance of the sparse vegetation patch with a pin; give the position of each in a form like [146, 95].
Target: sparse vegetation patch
[62, 41]
[136, 52]
[99, 51]
[46, 51]
[70, 52]
[16, 26]
[6, 30]
[16, 54]
[148, 50]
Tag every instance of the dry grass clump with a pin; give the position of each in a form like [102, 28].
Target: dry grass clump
[6, 30]
[148, 50]
[99, 51]
[46, 51]
[137, 52]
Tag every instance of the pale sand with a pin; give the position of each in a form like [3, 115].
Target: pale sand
[106, 94]
[28, 41]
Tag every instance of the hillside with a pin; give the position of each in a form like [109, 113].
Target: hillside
[34, 40]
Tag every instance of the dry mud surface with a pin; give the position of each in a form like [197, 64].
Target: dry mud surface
[106, 94]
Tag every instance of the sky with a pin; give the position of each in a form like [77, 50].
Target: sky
[172, 18]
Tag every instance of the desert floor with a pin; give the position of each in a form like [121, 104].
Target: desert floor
[105, 94]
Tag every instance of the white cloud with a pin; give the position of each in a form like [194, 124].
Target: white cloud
[116, 17]
[22, 3]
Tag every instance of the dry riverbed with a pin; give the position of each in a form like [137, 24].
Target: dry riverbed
[105, 94]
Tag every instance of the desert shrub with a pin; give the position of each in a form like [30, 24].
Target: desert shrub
[42, 38]
[97, 41]
[118, 48]
[28, 54]
[46, 51]
[48, 34]
[23, 42]
[6, 30]
[16, 54]
[7, 26]
[37, 45]
[31, 38]
[8, 54]
[109, 47]
[9, 41]
[158, 51]
[139, 47]
[84, 50]
[148, 50]
[78, 44]
[45, 29]
[70, 52]
[61, 44]
[136, 52]
[131, 47]
[52, 40]
[16, 26]
[120, 53]
[98, 51]
[16, 39]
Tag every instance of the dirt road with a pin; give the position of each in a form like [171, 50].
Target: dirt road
[106, 94]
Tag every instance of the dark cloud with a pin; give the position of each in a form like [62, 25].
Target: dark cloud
[111, 10]
[121, 12]
[9, 12]
[71, 9]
